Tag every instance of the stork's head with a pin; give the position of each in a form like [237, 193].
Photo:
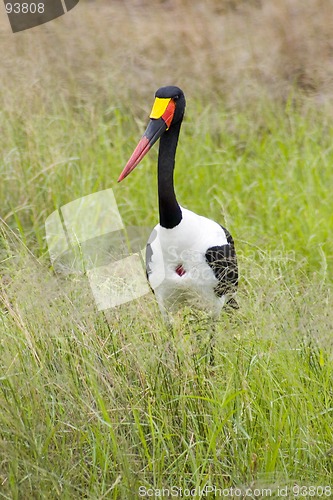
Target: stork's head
[168, 108]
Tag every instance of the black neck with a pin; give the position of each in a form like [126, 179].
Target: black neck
[170, 212]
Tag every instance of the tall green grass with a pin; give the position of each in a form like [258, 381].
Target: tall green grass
[97, 405]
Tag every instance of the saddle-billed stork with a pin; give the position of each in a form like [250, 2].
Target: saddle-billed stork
[188, 257]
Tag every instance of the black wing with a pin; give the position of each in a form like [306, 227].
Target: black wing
[223, 261]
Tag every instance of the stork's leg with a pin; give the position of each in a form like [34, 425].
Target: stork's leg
[212, 335]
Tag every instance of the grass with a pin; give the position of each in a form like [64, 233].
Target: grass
[96, 405]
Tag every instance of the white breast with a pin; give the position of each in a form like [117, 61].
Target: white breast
[176, 263]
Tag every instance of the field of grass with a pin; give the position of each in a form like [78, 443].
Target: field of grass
[103, 405]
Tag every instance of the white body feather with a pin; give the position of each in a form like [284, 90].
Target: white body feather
[185, 245]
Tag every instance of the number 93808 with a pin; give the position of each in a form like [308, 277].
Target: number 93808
[25, 8]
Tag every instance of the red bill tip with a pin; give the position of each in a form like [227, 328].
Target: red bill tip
[137, 155]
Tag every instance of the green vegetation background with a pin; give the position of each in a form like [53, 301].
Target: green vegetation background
[94, 405]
